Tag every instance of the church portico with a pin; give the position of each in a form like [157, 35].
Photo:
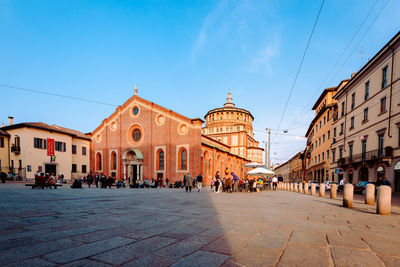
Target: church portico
[133, 165]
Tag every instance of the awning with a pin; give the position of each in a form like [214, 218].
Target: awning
[380, 169]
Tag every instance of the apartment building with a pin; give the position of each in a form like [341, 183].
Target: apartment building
[4, 151]
[366, 123]
[319, 135]
[28, 150]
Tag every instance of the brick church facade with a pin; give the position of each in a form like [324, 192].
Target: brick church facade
[143, 140]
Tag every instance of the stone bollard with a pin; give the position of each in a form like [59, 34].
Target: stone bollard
[333, 190]
[284, 186]
[300, 187]
[296, 187]
[306, 188]
[348, 195]
[322, 190]
[370, 194]
[291, 187]
[313, 189]
[384, 200]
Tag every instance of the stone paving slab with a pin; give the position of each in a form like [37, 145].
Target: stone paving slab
[168, 227]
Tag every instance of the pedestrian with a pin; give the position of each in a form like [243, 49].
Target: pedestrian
[274, 182]
[341, 184]
[89, 180]
[167, 182]
[51, 181]
[235, 182]
[96, 180]
[3, 176]
[216, 183]
[199, 182]
[188, 182]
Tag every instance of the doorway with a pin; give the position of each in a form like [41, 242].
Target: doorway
[397, 181]
[50, 168]
[364, 174]
[135, 173]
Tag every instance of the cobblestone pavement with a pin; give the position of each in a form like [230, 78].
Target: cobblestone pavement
[164, 227]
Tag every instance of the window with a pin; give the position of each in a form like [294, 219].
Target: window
[60, 146]
[329, 135]
[364, 150]
[366, 114]
[136, 135]
[323, 139]
[327, 154]
[384, 77]
[160, 159]
[135, 111]
[319, 141]
[334, 132]
[383, 105]
[323, 156]
[316, 144]
[84, 151]
[73, 167]
[319, 158]
[333, 155]
[1, 141]
[353, 101]
[324, 120]
[381, 142]
[183, 159]
[320, 124]
[113, 160]
[366, 96]
[98, 161]
[340, 153]
[316, 128]
[351, 122]
[73, 149]
[342, 114]
[351, 151]
[341, 128]
[39, 143]
[84, 169]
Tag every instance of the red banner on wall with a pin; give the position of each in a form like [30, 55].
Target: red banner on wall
[50, 147]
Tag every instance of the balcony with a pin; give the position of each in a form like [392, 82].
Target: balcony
[369, 156]
[15, 149]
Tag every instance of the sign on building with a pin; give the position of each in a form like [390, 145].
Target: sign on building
[50, 147]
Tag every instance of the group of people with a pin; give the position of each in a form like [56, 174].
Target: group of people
[189, 182]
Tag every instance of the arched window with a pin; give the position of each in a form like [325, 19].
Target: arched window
[160, 159]
[113, 160]
[183, 159]
[98, 161]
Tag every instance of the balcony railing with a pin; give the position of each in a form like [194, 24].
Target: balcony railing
[363, 157]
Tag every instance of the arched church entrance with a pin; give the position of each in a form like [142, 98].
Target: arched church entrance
[133, 165]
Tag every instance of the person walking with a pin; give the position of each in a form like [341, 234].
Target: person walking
[274, 182]
[199, 180]
[96, 180]
[217, 181]
[3, 176]
[188, 182]
[341, 184]
[89, 180]
[235, 182]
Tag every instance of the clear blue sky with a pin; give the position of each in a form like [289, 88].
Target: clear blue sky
[183, 55]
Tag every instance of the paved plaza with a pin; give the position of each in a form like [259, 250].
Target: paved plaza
[168, 227]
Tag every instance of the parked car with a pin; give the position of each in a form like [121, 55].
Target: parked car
[328, 185]
[313, 182]
[360, 187]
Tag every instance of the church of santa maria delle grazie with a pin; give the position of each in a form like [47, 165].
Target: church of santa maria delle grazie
[142, 140]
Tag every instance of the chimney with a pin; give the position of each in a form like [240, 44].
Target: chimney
[10, 120]
[353, 74]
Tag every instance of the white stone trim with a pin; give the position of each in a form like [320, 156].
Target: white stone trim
[164, 149]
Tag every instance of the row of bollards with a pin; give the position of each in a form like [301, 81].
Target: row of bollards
[384, 196]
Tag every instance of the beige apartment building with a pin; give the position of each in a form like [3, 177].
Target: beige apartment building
[28, 150]
[284, 171]
[4, 151]
[319, 134]
[366, 127]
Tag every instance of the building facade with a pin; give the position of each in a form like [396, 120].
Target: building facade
[366, 128]
[143, 140]
[234, 127]
[4, 151]
[319, 134]
[296, 168]
[28, 150]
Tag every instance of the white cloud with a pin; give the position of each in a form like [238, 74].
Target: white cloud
[262, 61]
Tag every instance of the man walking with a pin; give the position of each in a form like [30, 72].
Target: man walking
[274, 182]
[235, 182]
[199, 180]
[188, 182]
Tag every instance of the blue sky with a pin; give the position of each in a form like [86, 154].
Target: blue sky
[184, 55]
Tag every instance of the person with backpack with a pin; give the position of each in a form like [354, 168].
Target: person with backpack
[199, 180]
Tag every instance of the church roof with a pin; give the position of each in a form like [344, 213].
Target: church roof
[229, 106]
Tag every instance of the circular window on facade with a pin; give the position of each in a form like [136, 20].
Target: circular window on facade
[135, 111]
[183, 129]
[114, 125]
[98, 138]
[160, 119]
[135, 134]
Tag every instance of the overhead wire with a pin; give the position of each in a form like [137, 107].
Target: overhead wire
[299, 68]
